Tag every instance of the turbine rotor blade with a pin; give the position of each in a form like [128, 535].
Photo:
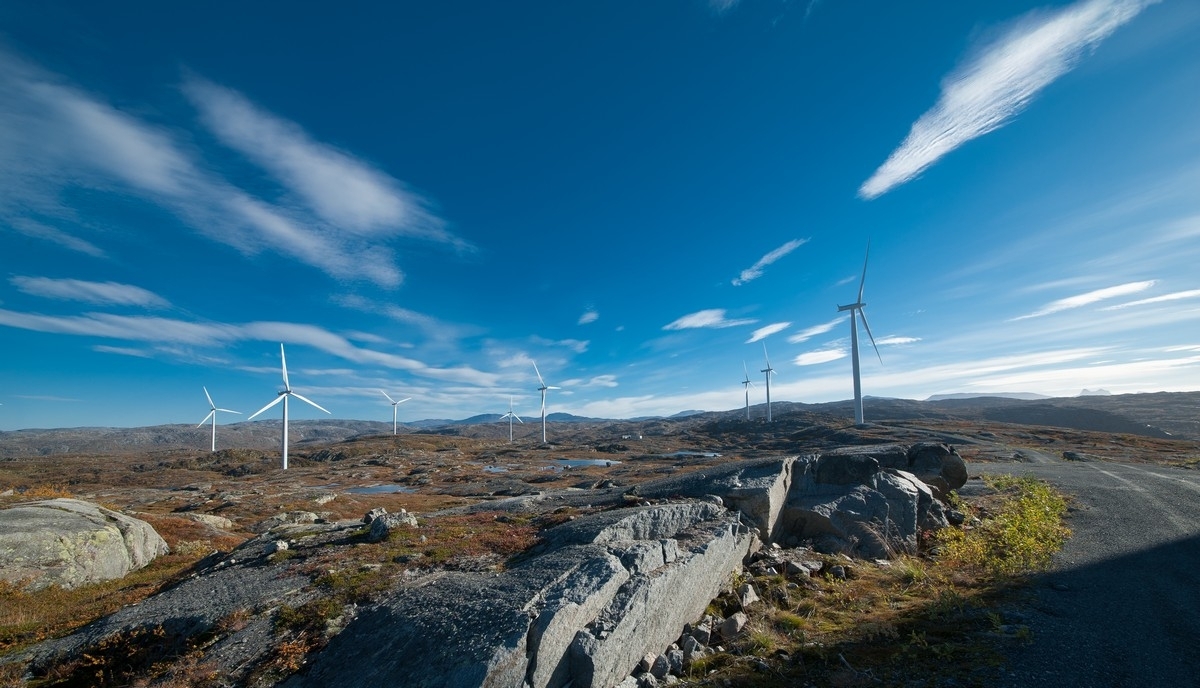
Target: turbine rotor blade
[228, 411]
[868, 329]
[210, 401]
[385, 394]
[539, 374]
[283, 360]
[210, 415]
[553, 387]
[403, 400]
[765, 357]
[862, 282]
[310, 402]
[518, 419]
[277, 400]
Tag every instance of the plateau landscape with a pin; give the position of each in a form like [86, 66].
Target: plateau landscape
[701, 342]
[369, 538]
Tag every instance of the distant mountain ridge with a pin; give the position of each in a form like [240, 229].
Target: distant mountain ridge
[1162, 414]
[1026, 396]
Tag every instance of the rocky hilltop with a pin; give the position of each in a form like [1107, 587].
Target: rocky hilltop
[595, 596]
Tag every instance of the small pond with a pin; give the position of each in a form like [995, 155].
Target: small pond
[576, 463]
[381, 489]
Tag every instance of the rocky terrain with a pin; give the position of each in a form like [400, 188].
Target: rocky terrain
[451, 552]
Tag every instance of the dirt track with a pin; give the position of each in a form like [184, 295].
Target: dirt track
[1122, 605]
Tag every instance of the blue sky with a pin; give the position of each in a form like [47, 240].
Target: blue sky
[638, 196]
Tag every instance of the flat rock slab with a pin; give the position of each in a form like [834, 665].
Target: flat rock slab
[69, 542]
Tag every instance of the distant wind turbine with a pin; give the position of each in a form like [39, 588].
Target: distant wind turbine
[768, 371]
[283, 396]
[857, 307]
[394, 405]
[213, 415]
[747, 384]
[542, 388]
[510, 416]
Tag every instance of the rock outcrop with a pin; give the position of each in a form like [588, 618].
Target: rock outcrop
[68, 542]
[858, 502]
[582, 609]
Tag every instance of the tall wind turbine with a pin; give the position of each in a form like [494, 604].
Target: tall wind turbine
[768, 371]
[542, 387]
[747, 384]
[857, 307]
[283, 396]
[213, 415]
[510, 416]
[394, 405]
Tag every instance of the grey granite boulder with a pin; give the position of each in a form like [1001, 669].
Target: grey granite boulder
[69, 542]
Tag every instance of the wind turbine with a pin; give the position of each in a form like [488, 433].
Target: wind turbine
[510, 416]
[543, 387]
[857, 307]
[213, 415]
[768, 371]
[747, 384]
[283, 396]
[394, 405]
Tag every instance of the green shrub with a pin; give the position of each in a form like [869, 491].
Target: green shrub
[1020, 537]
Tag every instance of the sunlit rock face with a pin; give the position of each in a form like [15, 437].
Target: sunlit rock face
[68, 542]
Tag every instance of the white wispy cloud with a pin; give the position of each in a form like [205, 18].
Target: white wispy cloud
[712, 317]
[764, 332]
[122, 351]
[341, 189]
[433, 328]
[38, 230]
[721, 6]
[100, 293]
[1089, 298]
[579, 346]
[819, 356]
[44, 397]
[589, 316]
[999, 81]
[337, 213]
[808, 333]
[895, 340]
[174, 331]
[604, 381]
[755, 271]
[1174, 296]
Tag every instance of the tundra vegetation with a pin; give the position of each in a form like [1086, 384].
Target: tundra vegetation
[949, 611]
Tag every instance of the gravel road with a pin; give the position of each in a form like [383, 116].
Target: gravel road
[1121, 606]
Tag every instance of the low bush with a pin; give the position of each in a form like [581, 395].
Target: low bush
[1018, 537]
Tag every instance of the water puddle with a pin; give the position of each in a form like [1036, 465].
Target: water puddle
[381, 489]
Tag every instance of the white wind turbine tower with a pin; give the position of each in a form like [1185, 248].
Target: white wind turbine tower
[747, 384]
[394, 405]
[768, 371]
[213, 415]
[510, 416]
[283, 396]
[542, 388]
[857, 307]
